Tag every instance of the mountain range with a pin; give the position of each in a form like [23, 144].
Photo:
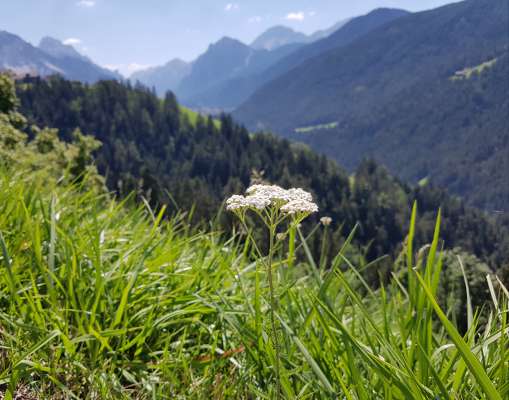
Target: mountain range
[425, 94]
[49, 58]
[240, 60]
[232, 92]
[170, 75]
[164, 78]
[280, 35]
[225, 61]
[230, 71]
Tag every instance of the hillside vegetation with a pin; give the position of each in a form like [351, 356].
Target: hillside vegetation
[151, 148]
[391, 95]
[104, 299]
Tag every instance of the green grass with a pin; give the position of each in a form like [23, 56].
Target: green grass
[467, 73]
[193, 116]
[423, 181]
[100, 300]
[309, 129]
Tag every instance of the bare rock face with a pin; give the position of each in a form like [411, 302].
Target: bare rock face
[50, 58]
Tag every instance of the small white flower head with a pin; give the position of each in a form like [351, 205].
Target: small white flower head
[239, 203]
[256, 188]
[326, 221]
[300, 194]
[235, 203]
[258, 202]
[299, 207]
[272, 192]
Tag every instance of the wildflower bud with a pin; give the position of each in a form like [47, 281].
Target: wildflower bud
[281, 236]
[326, 221]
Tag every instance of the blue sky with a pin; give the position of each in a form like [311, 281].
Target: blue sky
[128, 34]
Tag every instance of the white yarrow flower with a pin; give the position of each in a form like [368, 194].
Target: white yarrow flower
[299, 206]
[273, 192]
[258, 202]
[235, 202]
[300, 194]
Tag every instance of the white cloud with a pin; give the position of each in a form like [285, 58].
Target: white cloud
[255, 20]
[296, 16]
[72, 41]
[86, 3]
[231, 7]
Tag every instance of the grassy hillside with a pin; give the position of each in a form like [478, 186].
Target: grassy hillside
[100, 300]
[193, 116]
[392, 96]
[118, 300]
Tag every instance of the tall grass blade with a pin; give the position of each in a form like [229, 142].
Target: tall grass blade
[469, 358]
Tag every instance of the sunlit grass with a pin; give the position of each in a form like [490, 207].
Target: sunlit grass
[102, 300]
[193, 116]
[309, 129]
[467, 73]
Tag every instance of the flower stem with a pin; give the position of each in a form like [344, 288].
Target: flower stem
[273, 310]
[291, 246]
[323, 251]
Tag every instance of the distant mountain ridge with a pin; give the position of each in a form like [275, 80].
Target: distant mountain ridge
[346, 34]
[323, 33]
[278, 36]
[164, 78]
[51, 57]
[281, 35]
[229, 93]
[223, 61]
[57, 49]
[224, 75]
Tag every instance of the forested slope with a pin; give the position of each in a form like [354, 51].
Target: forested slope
[150, 148]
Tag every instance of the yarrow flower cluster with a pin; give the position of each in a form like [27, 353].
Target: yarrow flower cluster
[299, 206]
[292, 201]
[237, 202]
